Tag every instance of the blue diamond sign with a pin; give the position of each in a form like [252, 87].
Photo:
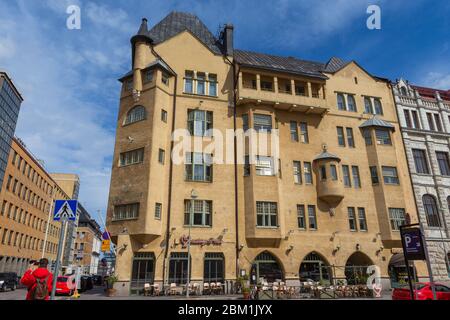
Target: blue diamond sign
[65, 209]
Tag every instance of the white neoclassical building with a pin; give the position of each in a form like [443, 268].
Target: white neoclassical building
[424, 115]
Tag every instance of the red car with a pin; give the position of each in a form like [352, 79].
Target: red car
[422, 291]
[63, 285]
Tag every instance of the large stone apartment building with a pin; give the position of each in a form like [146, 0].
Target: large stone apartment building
[424, 115]
[326, 206]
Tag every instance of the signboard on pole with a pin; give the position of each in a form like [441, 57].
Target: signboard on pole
[65, 209]
[413, 246]
[106, 245]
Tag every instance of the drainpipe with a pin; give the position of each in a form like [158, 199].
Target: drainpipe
[236, 197]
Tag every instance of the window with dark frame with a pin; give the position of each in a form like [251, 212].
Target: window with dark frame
[362, 219]
[443, 161]
[312, 219]
[266, 214]
[351, 218]
[301, 219]
[198, 213]
[420, 161]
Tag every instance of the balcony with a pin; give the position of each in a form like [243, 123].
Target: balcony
[283, 93]
[330, 187]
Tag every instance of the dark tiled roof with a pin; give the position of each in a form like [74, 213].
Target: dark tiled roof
[277, 63]
[326, 155]
[177, 22]
[334, 64]
[430, 92]
[377, 122]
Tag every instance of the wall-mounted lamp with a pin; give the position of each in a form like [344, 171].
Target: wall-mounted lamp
[358, 247]
[241, 247]
[333, 235]
[288, 234]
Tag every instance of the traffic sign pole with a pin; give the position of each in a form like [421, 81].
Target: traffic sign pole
[407, 265]
[58, 258]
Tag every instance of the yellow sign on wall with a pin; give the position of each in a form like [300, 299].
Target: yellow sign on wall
[106, 245]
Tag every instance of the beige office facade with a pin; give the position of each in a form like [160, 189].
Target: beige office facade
[328, 205]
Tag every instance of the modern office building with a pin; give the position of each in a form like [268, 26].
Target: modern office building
[323, 202]
[88, 243]
[424, 115]
[10, 101]
[26, 204]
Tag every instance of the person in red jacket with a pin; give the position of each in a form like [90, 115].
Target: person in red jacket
[38, 281]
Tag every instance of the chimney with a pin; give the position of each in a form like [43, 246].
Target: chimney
[228, 39]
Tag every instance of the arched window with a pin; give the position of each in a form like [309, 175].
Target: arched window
[378, 107]
[134, 115]
[431, 211]
[367, 105]
[340, 101]
[265, 267]
[351, 103]
[403, 91]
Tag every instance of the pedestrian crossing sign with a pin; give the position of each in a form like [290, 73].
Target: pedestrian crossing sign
[65, 209]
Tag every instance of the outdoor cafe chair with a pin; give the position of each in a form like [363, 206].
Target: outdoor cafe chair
[173, 289]
[206, 288]
[146, 289]
[219, 287]
[196, 289]
[156, 289]
[213, 287]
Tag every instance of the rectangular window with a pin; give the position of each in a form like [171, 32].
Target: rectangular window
[420, 160]
[367, 137]
[212, 85]
[351, 218]
[346, 174]
[397, 217]
[178, 268]
[383, 136]
[374, 175]
[297, 172]
[323, 173]
[198, 167]
[312, 220]
[246, 166]
[437, 120]
[198, 213]
[356, 179]
[350, 139]
[444, 166]
[158, 209]
[264, 166]
[341, 137]
[304, 132]
[262, 122]
[407, 118]
[362, 219]
[163, 115]
[132, 157]
[245, 122]
[415, 119]
[148, 76]
[294, 131]
[390, 175]
[333, 170]
[266, 214]
[200, 83]
[188, 82]
[200, 122]
[165, 78]
[161, 156]
[301, 219]
[126, 212]
[214, 267]
[128, 85]
[308, 172]
[430, 121]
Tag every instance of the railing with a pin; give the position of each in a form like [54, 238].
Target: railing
[430, 104]
[407, 100]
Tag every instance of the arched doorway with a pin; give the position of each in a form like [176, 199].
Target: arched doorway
[314, 267]
[356, 268]
[266, 268]
[398, 273]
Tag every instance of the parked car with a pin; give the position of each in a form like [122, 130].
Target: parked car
[98, 280]
[62, 286]
[422, 291]
[8, 280]
[86, 283]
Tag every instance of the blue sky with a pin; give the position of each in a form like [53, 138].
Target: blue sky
[69, 77]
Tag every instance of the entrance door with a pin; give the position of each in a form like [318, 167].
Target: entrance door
[265, 268]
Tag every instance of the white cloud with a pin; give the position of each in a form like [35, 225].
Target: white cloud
[438, 80]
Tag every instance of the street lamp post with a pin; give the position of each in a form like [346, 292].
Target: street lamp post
[191, 214]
